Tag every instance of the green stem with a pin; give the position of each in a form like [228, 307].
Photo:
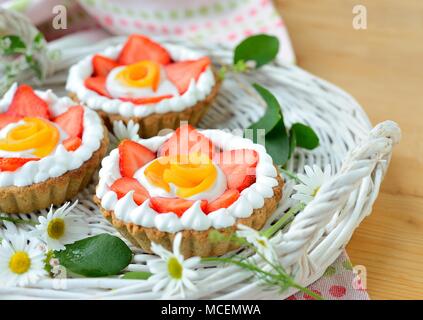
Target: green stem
[290, 174]
[256, 269]
[311, 293]
[283, 221]
[33, 223]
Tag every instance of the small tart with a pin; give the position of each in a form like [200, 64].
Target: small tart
[189, 181]
[157, 86]
[49, 149]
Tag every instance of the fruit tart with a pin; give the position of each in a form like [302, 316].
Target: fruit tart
[188, 181]
[49, 149]
[155, 85]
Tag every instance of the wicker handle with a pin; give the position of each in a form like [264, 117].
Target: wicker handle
[333, 195]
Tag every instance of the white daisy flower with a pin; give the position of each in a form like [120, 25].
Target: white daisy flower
[129, 131]
[311, 183]
[172, 272]
[21, 261]
[61, 227]
[261, 243]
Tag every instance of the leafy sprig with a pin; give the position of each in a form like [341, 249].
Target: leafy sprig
[20, 57]
[275, 277]
[279, 142]
[252, 53]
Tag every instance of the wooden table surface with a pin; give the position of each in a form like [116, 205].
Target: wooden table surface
[382, 67]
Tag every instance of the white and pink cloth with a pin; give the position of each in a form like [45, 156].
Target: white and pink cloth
[202, 21]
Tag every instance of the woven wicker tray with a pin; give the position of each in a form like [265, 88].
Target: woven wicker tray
[357, 153]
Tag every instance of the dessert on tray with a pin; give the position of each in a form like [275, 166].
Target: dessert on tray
[155, 85]
[189, 181]
[49, 149]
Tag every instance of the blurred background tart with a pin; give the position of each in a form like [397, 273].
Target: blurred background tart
[155, 85]
[49, 149]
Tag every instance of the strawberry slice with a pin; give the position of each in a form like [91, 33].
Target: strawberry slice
[26, 103]
[6, 119]
[123, 185]
[138, 48]
[72, 143]
[133, 156]
[175, 205]
[147, 100]
[12, 164]
[97, 84]
[224, 201]
[186, 139]
[181, 73]
[72, 121]
[238, 166]
[102, 65]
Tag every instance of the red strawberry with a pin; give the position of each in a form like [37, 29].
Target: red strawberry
[72, 143]
[181, 73]
[72, 121]
[187, 139]
[123, 185]
[12, 164]
[133, 156]
[176, 205]
[224, 201]
[26, 103]
[6, 119]
[238, 166]
[97, 84]
[147, 100]
[102, 65]
[138, 48]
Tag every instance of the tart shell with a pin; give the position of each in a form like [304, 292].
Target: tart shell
[194, 243]
[53, 191]
[152, 124]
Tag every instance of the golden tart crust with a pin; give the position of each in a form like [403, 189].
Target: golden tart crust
[194, 243]
[53, 190]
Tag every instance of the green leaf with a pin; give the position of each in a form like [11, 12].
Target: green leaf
[12, 44]
[137, 275]
[305, 136]
[292, 143]
[277, 144]
[260, 48]
[38, 41]
[34, 65]
[273, 112]
[97, 256]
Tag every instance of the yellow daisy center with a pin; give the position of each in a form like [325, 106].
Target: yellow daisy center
[315, 191]
[56, 228]
[262, 243]
[20, 262]
[174, 268]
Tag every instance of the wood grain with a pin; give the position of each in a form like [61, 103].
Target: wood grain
[382, 68]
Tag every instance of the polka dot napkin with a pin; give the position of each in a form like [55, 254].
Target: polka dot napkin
[341, 281]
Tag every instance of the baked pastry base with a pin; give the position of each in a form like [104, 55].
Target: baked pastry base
[54, 190]
[194, 243]
[152, 124]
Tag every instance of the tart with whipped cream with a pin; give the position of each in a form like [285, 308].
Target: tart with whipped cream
[49, 149]
[156, 86]
[191, 182]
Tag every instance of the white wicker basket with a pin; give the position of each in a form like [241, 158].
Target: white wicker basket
[358, 154]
